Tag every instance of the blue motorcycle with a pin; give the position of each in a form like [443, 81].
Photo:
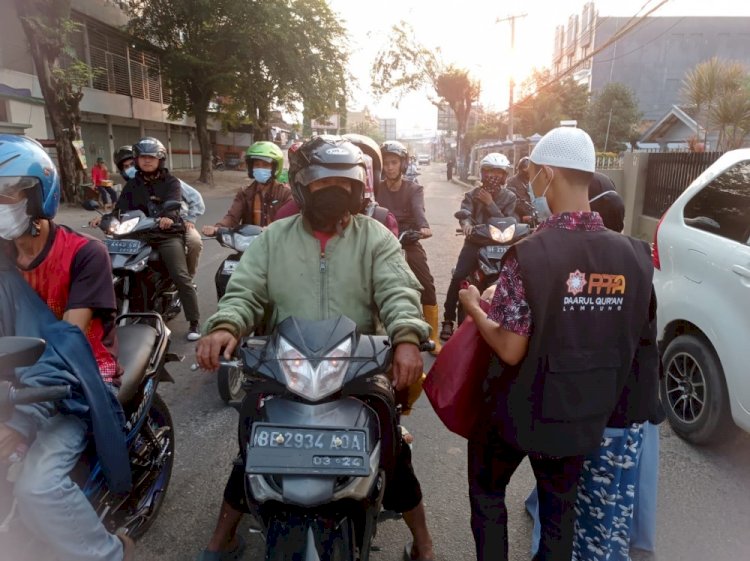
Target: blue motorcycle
[144, 350]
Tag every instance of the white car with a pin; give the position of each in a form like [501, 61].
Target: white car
[702, 281]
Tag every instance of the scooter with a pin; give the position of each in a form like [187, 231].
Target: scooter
[495, 238]
[229, 380]
[144, 351]
[319, 434]
[142, 282]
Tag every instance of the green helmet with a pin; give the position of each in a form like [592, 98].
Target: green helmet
[268, 152]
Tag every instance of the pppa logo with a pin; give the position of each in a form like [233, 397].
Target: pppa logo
[337, 151]
[595, 283]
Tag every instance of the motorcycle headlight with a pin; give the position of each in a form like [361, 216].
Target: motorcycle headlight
[241, 243]
[121, 228]
[314, 382]
[502, 236]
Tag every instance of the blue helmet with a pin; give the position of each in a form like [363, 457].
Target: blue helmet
[25, 159]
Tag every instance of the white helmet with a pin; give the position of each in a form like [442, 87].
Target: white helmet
[495, 160]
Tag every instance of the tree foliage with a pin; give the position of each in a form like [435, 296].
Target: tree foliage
[460, 92]
[545, 102]
[249, 57]
[612, 119]
[49, 28]
[490, 126]
[719, 93]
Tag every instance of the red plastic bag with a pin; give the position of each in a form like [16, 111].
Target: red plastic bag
[454, 383]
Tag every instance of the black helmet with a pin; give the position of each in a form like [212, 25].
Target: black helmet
[121, 154]
[150, 146]
[327, 156]
[395, 147]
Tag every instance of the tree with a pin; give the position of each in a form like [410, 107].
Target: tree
[490, 125]
[460, 91]
[48, 28]
[613, 118]
[545, 102]
[719, 93]
[201, 45]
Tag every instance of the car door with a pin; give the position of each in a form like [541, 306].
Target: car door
[720, 213]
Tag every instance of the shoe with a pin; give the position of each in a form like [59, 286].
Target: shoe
[128, 546]
[231, 555]
[407, 554]
[446, 331]
[194, 333]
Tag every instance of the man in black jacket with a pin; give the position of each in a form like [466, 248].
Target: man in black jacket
[151, 187]
[563, 291]
[490, 200]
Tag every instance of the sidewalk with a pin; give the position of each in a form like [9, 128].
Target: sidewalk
[467, 185]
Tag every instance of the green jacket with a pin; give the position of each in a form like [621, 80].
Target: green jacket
[361, 275]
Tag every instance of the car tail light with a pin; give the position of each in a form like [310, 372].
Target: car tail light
[655, 245]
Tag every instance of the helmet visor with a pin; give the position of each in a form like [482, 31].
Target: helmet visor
[11, 187]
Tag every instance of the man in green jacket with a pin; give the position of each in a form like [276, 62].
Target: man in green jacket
[327, 261]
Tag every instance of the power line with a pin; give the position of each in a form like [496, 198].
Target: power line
[615, 37]
[639, 47]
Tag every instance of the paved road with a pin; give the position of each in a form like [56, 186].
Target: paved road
[704, 498]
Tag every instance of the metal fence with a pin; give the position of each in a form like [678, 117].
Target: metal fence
[668, 175]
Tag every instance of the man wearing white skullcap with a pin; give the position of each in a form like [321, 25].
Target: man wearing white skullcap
[572, 304]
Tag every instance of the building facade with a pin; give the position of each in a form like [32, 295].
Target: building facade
[649, 55]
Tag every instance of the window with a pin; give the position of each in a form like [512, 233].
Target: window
[723, 206]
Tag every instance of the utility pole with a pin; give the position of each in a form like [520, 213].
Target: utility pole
[512, 20]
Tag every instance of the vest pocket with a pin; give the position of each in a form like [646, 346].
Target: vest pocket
[580, 384]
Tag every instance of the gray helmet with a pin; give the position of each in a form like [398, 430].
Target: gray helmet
[326, 156]
[395, 147]
[150, 146]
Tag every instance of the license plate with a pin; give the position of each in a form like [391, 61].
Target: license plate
[280, 449]
[123, 247]
[229, 266]
[496, 251]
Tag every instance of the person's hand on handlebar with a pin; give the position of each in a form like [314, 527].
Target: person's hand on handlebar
[94, 222]
[468, 229]
[209, 348]
[426, 233]
[407, 365]
[9, 441]
[165, 223]
[209, 230]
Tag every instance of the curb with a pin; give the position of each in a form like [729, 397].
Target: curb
[464, 184]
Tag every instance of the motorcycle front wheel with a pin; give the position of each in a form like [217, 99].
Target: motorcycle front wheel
[229, 382]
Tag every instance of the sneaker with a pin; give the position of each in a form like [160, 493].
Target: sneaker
[194, 333]
[446, 331]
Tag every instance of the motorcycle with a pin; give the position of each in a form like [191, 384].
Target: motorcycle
[408, 237]
[229, 380]
[142, 282]
[495, 238]
[318, 434]
[144, 351]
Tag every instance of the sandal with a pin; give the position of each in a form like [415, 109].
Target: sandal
[407, 554]
[446, 331]
[231, 555]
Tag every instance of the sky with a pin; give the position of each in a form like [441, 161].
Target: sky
[468, 35]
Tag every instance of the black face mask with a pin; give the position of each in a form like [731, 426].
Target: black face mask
[327, 207]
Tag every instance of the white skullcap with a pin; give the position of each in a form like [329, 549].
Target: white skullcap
[565, 147]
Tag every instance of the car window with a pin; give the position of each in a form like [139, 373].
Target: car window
[723, 206]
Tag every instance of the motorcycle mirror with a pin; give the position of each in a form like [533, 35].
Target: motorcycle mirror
[171, 206]
[462, 214]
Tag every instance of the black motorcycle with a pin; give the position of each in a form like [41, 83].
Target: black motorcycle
[229, 379]
[144, 351]
[319, 434]
[142, 282]
[495, 239]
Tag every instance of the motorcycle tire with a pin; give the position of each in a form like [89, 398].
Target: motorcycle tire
[229, 382]
[142, 506]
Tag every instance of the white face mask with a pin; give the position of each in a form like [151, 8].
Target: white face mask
[13, 220]
[540, 203]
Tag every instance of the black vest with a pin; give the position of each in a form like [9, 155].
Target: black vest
[589, 294]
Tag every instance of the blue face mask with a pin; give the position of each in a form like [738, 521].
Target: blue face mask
[261, 175]
[541, 205]
[130, 172]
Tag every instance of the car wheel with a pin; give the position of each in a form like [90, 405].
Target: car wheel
[694, 392]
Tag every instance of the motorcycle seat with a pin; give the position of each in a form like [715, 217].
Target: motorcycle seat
[135, 344]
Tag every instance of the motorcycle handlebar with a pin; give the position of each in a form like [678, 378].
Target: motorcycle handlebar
[24, 396]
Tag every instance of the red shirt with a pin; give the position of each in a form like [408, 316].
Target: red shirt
[98, 174]
[73, 272]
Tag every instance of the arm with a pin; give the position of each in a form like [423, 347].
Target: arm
[417, 206]
[246, 297]
[196, 206]
[468, 205]
[91, 289]
[396, 293]
[507, 327]
[233, 217]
